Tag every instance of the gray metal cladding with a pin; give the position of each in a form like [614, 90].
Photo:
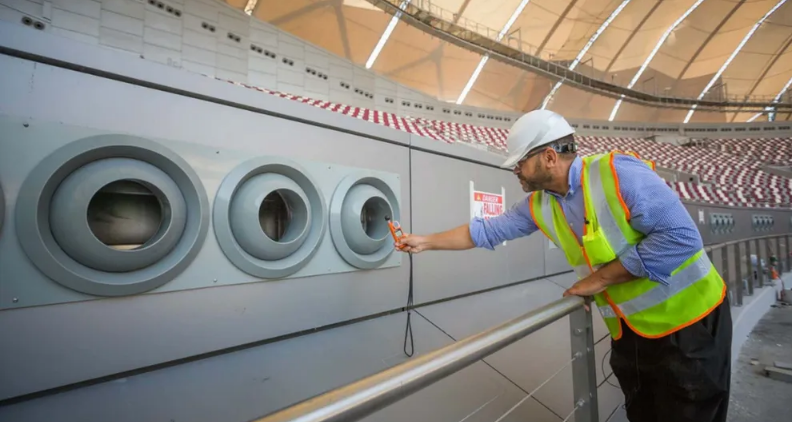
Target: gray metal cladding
[2, 208]
[250, 383]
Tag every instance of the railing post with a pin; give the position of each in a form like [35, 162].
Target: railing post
[726, 274]
[736, 277]
[584, 370]
[788, 254]
[748, 283]
[759, 274]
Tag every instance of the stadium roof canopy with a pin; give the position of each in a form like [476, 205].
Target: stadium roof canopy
[688, 48]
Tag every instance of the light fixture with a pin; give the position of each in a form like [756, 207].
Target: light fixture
[585, 49]
[649, 58]
[385, 35]
[775, 100]
[733, 55]
[484, 59]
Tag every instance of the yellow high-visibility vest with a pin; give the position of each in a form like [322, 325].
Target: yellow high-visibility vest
[649, 308]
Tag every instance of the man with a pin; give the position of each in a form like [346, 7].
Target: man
[636, 250]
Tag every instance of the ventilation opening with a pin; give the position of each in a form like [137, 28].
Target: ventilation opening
[274, 216]
[126, 215]
[372, 218]
[283, 215]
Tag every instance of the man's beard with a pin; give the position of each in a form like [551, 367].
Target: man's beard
[540, 181]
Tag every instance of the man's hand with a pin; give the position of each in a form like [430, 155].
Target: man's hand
[411, 243]
[456, 239]
[589, 286]
[610, 274]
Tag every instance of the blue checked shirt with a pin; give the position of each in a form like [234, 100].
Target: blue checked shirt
[671, 234]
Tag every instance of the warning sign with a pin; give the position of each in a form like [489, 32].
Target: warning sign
[486, 205]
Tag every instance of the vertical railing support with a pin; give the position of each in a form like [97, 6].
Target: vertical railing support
[748, 283]
[788, 254]
[771, 252]
[735, 277]
[759, 273]
[780, 247]
[584, 369]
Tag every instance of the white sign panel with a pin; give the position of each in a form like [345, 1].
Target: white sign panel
[486, 204]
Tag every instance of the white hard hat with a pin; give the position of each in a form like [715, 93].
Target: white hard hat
[534, 129]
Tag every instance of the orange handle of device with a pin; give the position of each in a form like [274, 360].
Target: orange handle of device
[396, 231]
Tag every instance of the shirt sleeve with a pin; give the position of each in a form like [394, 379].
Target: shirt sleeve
[655, 210]
[515, 222]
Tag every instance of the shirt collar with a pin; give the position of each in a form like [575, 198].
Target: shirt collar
[574, 178]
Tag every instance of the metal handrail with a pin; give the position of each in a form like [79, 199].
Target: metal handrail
[739, 253]
[363, 397]
[748, 239]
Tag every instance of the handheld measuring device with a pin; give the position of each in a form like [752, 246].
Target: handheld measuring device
[395, 229]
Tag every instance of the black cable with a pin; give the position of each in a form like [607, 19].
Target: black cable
[408, 329]
[602, 368]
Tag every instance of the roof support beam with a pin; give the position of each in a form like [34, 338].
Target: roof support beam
[586, 48]
[651, 56]
[733, 55]
[484, 58]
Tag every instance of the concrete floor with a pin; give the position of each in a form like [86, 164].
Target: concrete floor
[755, 397]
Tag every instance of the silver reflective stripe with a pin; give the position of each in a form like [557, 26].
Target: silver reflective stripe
[547, 215]
[606, 311]
[605, 218]
[582, 271]
[676, 283]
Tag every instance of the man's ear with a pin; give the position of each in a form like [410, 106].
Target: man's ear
[552, 157]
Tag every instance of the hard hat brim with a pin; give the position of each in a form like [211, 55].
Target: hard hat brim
[513, 159]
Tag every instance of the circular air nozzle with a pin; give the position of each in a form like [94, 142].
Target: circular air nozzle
[112, 215]
[269, 217]
[84, 211]
[360, 209]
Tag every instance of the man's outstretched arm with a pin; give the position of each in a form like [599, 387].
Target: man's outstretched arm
[479, 233]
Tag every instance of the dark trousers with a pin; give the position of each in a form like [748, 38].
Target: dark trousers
[682, 377]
